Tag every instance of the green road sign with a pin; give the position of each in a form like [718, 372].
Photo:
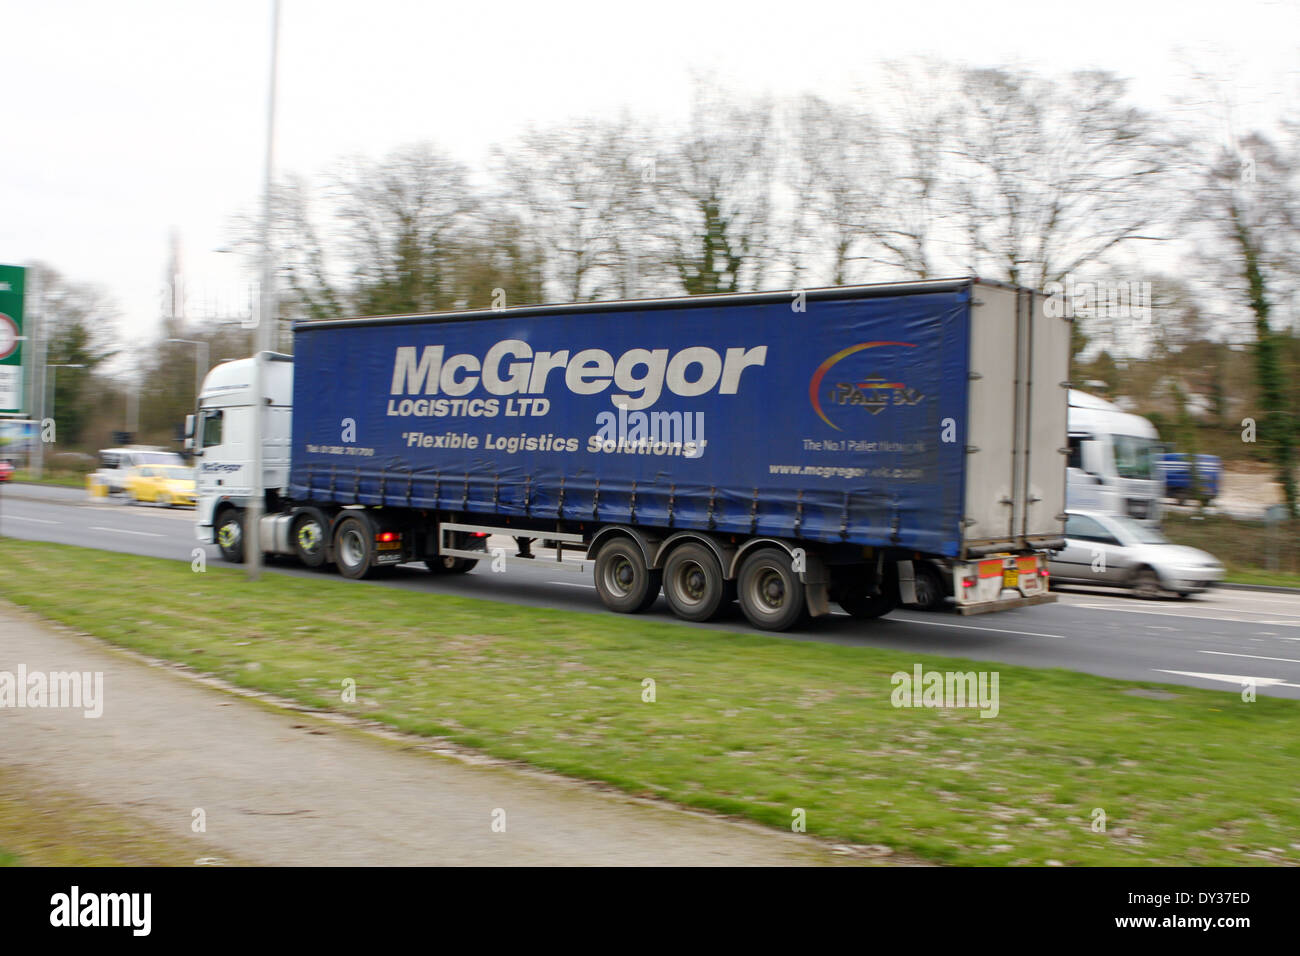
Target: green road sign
[11, 345]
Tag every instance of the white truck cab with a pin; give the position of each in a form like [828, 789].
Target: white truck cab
[1114, 460]
[221, 435]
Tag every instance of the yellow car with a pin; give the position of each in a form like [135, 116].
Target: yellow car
[164, 484]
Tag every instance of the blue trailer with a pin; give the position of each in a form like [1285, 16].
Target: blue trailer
[1176, 468]
[785, 449]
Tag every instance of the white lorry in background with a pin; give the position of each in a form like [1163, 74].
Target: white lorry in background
[1114, 460]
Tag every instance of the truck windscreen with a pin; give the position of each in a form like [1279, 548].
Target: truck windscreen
[1136, 457]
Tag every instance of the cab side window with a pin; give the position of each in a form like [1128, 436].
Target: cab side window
[211, 436]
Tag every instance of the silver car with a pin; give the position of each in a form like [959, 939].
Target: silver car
[1116, 551]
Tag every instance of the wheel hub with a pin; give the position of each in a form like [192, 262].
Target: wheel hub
[772, 589]
[695, 583]
[309, 536]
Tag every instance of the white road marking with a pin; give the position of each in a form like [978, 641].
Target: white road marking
[24, 518]
[1186, 617]
[146, 534]
[972, 627]
[572, 584]
[1285, 660]
[1231, 678]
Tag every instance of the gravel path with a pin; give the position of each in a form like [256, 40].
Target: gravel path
[279, 787]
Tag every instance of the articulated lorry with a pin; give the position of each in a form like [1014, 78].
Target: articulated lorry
[788, 451]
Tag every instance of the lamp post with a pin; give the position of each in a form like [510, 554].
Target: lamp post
[265, 329]
[201, 353]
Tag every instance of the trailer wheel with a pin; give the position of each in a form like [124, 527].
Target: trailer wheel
[868, 606]
[930, 594]
[693, 583]
[450, 565]
[623, 581]
[309, 539]
[861, 596]
[770, 592]
[230, 535]
[354, 546]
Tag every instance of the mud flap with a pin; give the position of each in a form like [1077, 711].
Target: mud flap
[815, 586]
[906, 582]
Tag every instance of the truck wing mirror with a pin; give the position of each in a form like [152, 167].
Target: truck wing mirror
[189, 444]
[189, 429]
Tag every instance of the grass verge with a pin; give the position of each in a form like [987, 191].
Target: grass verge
[747, 725]
[40, 826]
[63, 479]
[1279, 579]
[1252, 552]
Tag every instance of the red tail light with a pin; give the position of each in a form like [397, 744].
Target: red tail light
[386, 536]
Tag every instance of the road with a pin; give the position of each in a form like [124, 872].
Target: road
[1215, 641]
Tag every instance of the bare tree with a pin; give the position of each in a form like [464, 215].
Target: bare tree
[578, 191]
[835, 177]
[1050, 175]
[403, 220]
[714, 195]
[380, 237]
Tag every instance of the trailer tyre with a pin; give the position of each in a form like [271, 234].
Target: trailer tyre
[858, 596]
[354, 546]
[693, 583]
[770, 592]
[930, 594]
[230, 535]
[450, 565]
[868, 606]
[623, 581]
[309, 533]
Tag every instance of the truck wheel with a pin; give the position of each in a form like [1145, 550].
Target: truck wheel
[623, 581]
[693, 583]
[354, 545]
[309, 540]
[865, 607]
[230, 535]
[929, 587]
[854, 591]
[450, 565]
[770, 592]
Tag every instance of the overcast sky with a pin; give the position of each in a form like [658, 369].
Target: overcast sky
[125, 120]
